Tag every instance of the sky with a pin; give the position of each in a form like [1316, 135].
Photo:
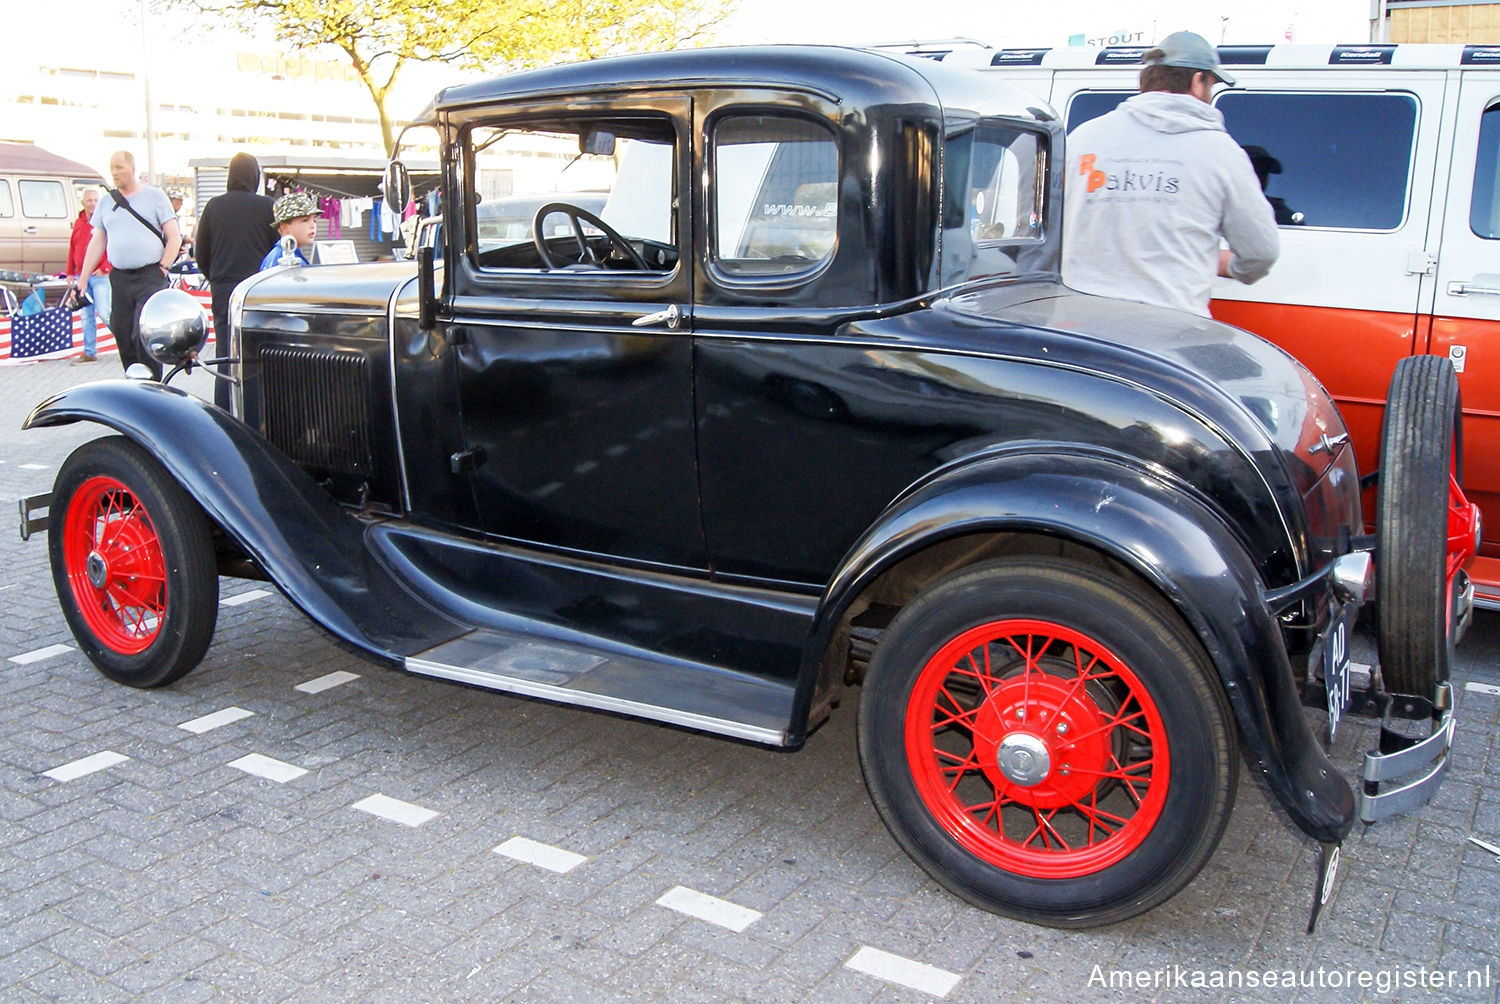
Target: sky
[850, 22]
[1033, 23]
[185, 48]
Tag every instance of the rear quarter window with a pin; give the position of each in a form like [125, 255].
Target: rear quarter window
[775, 195]
[7, 207]
[1328, 160]
[1088, 105]
[1484, 207]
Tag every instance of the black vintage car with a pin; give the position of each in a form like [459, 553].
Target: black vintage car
[804, 410]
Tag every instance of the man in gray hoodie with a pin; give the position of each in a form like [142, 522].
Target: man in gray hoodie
[1152, 187]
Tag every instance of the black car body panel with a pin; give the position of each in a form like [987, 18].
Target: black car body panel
[847, 372]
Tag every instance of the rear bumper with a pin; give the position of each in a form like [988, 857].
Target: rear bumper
[1403, 772]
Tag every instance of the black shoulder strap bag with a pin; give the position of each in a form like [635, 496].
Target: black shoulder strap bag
[120, 203]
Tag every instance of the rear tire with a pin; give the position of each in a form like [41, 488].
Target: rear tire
[133, 563]
[1420, 453]
[1048, 742]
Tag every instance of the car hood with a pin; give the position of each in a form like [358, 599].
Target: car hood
[360, 288]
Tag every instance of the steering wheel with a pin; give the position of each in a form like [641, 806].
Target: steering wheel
[585, 253]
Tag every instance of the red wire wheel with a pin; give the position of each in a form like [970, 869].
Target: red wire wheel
[1037, 749]
[1048, 739]
[114, 565]
[133, 562]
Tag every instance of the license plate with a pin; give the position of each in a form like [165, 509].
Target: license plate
[1336, 665]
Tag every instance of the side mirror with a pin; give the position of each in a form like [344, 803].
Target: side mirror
[173, 326]
[397, 186]
[597, 141]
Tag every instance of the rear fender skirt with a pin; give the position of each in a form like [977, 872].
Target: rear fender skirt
[312, 548]
[1167, 538]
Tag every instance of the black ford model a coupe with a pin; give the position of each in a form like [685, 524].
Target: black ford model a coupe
[804, 408]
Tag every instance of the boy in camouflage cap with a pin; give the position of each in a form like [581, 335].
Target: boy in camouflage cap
[296, 215]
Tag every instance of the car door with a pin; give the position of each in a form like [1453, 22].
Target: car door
[11, 244]
[1466, 294]
[45, 226]
[572, 341]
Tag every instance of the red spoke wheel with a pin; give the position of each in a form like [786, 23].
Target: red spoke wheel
[1425, 526]
[1049, 742]
[133, 563]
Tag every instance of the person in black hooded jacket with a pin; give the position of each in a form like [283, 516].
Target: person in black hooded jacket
[234, 234]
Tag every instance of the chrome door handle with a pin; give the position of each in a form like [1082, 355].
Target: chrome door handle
[672, 316]
[1465, 288]
[29, 230]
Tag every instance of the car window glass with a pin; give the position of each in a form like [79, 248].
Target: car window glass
[1091, 104]
[43, 200]
[775, 184]
[618, 171]
[7, 208]
[1332, 160]
[1484, 208]
[994, 186]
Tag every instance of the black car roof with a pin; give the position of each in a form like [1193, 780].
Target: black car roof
[852, 75]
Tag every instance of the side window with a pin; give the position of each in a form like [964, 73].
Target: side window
[1091, 104]
[7, 207]
[1328, 160]
[994, 198]
[617, 171]
[775, 183]
[1484, 207]
[43, 200]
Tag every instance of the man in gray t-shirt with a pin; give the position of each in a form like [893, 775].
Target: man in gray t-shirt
[141, 241]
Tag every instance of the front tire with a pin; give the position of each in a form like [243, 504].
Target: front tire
[1048, 742]
[133, 563]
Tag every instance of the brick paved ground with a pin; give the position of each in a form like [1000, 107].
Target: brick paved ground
[173, 875]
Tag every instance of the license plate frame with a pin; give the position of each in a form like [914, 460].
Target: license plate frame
[1336, 682]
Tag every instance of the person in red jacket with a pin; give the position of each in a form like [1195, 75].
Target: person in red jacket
[98, 284]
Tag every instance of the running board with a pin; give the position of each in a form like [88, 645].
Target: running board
[680, 693]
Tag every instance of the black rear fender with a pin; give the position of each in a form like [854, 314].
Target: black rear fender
[1167, 538]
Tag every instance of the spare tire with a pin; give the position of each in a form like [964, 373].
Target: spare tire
[1420, 457]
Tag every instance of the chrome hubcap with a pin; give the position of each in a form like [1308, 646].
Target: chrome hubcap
[96, 569]
[1024, 760]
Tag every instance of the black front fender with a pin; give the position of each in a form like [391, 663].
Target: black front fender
[312, 548]
[1168, 538]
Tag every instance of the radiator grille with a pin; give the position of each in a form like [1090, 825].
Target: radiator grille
[317, 407]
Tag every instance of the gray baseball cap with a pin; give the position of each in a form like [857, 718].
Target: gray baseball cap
[1189, 50]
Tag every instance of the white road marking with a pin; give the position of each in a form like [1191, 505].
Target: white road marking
[709, 908]
[88, 765]
[323, 683]
[903, 972]
[34, 467]
[554, 859]
[264, 766]
[241, 598]
[395, 810]
[198, 726]
[1482, 688]
[39, 654]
